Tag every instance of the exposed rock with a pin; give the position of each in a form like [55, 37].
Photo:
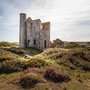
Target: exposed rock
[27, 56]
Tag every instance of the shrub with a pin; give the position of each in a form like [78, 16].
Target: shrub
[5, 53]
[72, 60]
[86, 67]
[14, 65]
[11, 66]
[50, 51]
[71, 45]
[3, 58]
[17, 51]
[36, 62]
[30, 79]
[56, 76]
[7, 44]
[79, 54]
[66, 64]
[72, 67]
[56, 56]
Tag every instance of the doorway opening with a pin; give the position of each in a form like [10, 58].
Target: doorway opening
[34, 42]
[28, 42]
[45, 44]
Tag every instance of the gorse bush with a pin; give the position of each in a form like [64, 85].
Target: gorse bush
[36, 62]
[56, 76]
[21, 52]
[71, 45]
[79, 54]
[51, 51]
[30, 79]
[9, 66]
[7, 44]
[17, 51]
[3, 58]
[14, 65]
[5, 53]
[56, 55]
[79, 63]
[86, 67]
[66, 63]
[78, 57]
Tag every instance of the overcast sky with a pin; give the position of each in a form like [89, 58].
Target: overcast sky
[70, 19]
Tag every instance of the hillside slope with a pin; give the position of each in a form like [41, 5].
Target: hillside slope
[52, 69]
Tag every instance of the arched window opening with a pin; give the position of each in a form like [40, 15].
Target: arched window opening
[34, 42]
[45, 44]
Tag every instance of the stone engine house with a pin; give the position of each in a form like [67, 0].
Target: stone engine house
[33, 33]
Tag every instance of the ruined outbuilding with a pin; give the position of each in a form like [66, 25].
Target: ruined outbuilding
[57, 44]
[33, 33]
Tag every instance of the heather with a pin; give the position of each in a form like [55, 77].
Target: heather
[52, 69]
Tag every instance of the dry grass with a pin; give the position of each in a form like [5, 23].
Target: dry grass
[73, 62]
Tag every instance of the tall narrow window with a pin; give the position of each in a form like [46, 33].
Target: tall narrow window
[28, 42]
[31, 25]
[43, 27]
[34, 42]
[45, 44]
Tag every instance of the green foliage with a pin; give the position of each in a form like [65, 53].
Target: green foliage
[78, 54]
[4, 52]
[66, 63]
[4, 58]
[7, 44]
[36, 62]
[19, 51]
[88, 43]
[72, 62]
[50, 51]
[78, 58]
[10, 66]
[71, 45]
[56, 55]
[16, 51]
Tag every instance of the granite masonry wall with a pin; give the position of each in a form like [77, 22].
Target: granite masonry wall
[33, 33]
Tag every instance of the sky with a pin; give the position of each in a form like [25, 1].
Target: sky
[70, 19]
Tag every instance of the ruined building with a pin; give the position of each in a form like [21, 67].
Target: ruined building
[33, 33]
[57, 43]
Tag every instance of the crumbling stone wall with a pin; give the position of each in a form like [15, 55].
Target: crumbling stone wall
[33, 33]
[57, 43]
[22, 37]
[45, 35]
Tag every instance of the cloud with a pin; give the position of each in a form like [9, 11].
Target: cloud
[70, 19]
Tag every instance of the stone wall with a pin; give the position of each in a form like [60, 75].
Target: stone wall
[22, 35]
[45, 36]
[33, 33]
[57, 43]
